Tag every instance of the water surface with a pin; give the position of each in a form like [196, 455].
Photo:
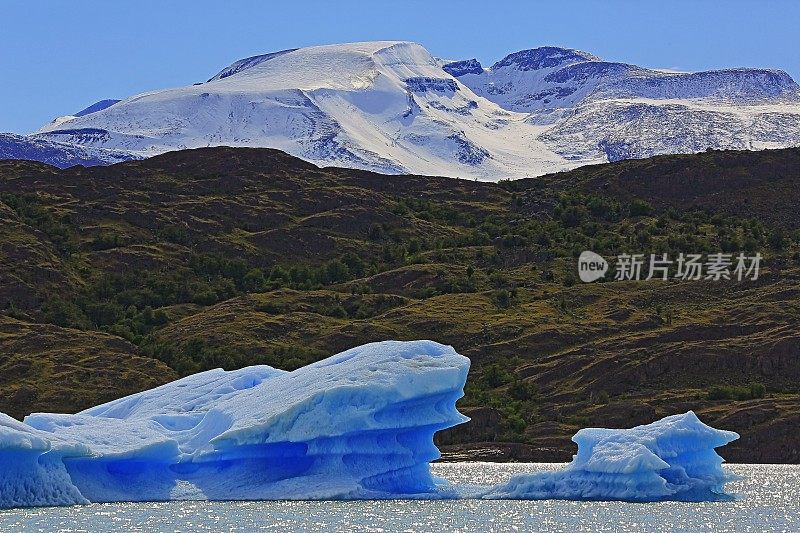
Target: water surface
[770, 501]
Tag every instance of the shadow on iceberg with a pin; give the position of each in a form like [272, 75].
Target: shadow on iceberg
[672, 459]
[359, 424]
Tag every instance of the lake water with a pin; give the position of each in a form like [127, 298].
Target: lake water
[770, 501]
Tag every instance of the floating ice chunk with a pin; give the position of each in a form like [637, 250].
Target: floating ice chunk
[359, 424]
[671, 459]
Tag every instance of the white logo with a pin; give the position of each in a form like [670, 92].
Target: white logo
[591, 266]
[634, 267]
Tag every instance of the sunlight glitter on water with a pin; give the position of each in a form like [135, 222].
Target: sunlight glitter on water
[770, 501]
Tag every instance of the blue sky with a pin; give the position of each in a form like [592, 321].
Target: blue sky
[58, 57]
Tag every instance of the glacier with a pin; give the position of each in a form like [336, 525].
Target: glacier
[672, 459]
[357, 425]
[392, 107]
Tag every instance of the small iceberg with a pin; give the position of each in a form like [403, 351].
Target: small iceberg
[672, 459]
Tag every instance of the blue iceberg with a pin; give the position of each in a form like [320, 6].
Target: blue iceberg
[356, 425]
[359, 424]
[672, 459]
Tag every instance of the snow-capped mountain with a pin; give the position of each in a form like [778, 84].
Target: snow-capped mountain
[58, 154]
[392, 107]
[602, 111]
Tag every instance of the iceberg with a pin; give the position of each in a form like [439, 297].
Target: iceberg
[672, 459]
[359, 424]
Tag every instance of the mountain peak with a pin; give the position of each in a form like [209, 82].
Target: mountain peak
[97, 106]
[460, 68]
[302, 56]
[544, 57]
[246, 63]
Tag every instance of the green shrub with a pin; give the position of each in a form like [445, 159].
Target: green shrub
[737, 392]
[106, 241]
[523, 391]
[502, 298]
[578, 420]
[640, 208]
[494, 376]
[65, 313]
